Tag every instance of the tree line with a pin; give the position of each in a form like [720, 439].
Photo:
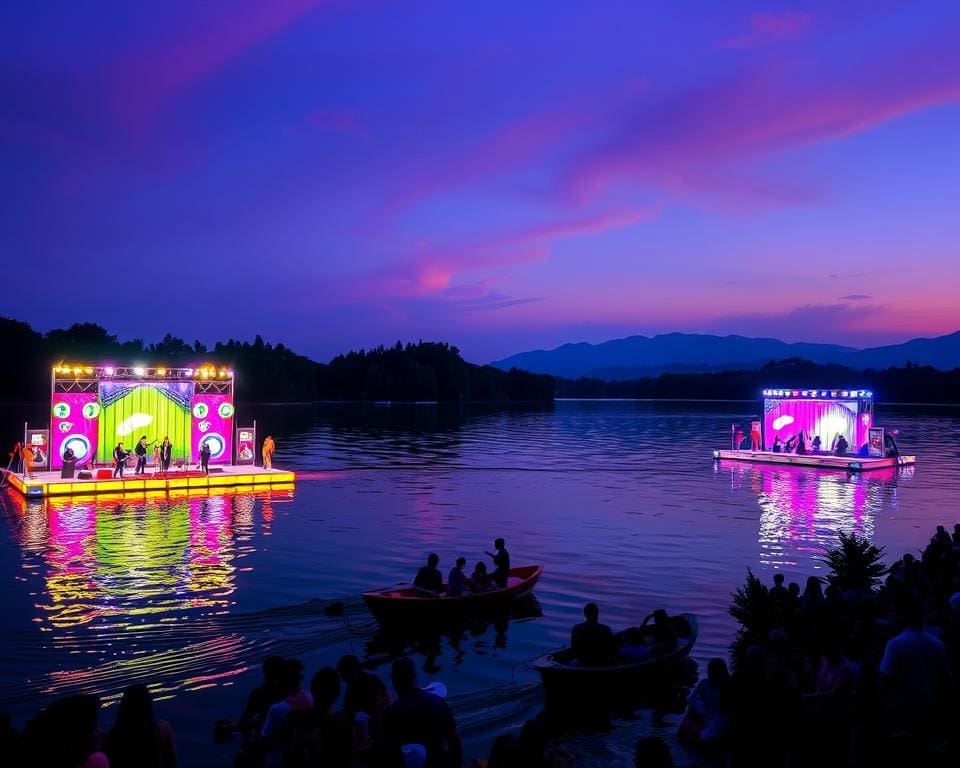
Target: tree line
[910, 384]
[426, 371]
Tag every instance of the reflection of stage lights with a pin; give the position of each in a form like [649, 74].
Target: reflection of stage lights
[216, 443]
[79, 444]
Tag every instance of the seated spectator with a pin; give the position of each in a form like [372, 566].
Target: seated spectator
[365, 694]
[591, 642]
[778, 592]
[708, 715]
[316, 737]
[428, 577]
[294, 699]
[419, 717]
[64, 733]
[263, 697]
[914, 675]
[480, 580]
[138, 739]
[457, 579]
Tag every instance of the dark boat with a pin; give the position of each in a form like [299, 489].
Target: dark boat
[566, 683]
[412, 605]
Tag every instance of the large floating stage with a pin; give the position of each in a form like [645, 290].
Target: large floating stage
[823, 460]
[45, 484]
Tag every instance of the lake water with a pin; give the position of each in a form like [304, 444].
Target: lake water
[620, 501]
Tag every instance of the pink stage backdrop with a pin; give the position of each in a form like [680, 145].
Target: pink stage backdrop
[76, 418]
[213, 424]
[827, 418]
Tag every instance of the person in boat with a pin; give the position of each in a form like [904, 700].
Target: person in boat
[457, 579]
[841, 445]
[777, 445]
[501, 563]
[418, 716]
[429, 577]
[480, 580]
[591, 643]
[663, 637]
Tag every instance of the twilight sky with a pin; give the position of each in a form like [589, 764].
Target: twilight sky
[500, 175]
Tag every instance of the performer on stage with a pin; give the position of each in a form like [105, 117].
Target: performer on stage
[120, 457]
[166, 448]
[27, 455]
[205, 458]
[268, 448]
[141, 451]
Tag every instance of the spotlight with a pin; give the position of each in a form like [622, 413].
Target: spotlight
[188, 371]
[138, 371]
[77, 371]
[108, 371]
[161, 371]
[88, 370]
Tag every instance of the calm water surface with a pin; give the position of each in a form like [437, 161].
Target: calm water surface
[620, 502]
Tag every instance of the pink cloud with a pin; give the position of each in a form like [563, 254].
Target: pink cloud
[155, 75]
[770, 27]
[695, 139]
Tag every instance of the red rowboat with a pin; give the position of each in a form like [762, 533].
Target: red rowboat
[412, 605]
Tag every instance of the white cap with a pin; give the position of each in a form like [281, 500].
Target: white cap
[437, 689]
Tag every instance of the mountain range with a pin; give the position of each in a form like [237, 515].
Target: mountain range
[637, 357]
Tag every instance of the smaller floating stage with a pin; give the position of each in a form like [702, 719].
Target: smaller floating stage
[45, 484]
[821, 460]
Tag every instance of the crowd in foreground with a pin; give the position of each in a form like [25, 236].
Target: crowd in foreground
[854, 674]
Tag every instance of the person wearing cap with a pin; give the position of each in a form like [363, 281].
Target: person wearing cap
[418, 716]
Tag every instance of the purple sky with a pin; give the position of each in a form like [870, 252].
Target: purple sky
[500, 175]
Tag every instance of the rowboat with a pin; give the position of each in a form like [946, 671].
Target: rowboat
[567, 683]
[410, 604]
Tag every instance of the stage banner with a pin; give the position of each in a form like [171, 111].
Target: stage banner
[213, 425]
[76, 422]
[875, 443]
[246, 445]
[39, 440]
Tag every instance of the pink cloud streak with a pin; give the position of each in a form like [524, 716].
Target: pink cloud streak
[154, 76]
[696, 138]
[770, 27]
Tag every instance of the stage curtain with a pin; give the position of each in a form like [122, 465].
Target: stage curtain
[145, 409]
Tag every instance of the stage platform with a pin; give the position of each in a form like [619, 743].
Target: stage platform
[821, 460]
[45, 484]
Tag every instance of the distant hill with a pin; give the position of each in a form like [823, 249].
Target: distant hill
[638, 357]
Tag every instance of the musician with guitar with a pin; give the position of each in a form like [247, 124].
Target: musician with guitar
[120, 458]
[141, 451]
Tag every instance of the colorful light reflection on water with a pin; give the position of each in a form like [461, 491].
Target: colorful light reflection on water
[132, 587]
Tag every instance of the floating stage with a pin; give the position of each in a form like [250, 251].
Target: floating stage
[44, 484]
[822, 460]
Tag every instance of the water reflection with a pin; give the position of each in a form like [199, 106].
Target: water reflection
[132, 584]
[802, 511]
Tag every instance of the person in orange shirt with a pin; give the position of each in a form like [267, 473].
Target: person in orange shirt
[268, 448]
[27, 455]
